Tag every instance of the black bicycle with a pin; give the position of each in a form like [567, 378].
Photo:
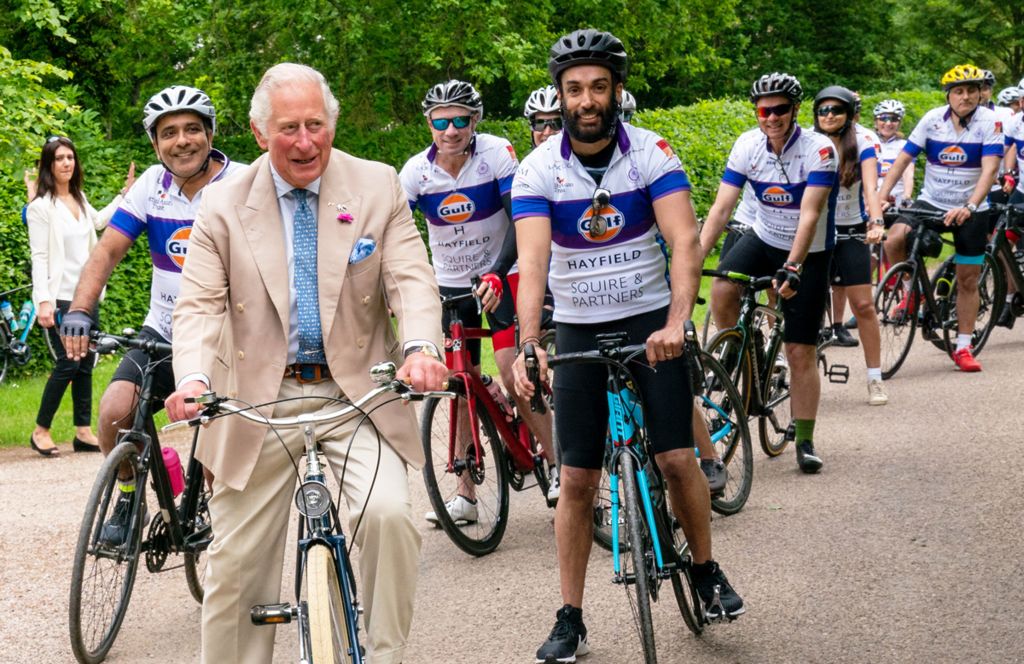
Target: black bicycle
[1009, 258]
[104, 569]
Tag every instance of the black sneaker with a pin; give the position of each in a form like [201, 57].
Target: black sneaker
[710, 580]
[115, 530]
[842, 337]
[1006, 317]
[808, 461]
[714, 471]
[568, 637]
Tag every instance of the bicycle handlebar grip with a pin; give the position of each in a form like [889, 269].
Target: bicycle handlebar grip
[537, 404]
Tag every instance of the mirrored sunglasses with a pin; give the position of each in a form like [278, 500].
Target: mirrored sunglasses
[441, 124]
[540, 125]
[778, 110]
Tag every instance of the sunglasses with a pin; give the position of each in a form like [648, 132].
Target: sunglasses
[540, 125]
[888, 118]
[441, 124]
[57, 138]
[831, 110]
[764, 112]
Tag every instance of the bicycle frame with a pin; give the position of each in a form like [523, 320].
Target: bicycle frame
[1001, 249]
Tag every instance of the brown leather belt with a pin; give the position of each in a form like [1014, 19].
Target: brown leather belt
[307, 373]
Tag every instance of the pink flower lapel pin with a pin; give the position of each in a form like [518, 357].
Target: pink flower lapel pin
[343, 214]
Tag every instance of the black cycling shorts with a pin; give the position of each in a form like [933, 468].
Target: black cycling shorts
[851, 259]
[731, 238]
[969, 239]
[501, 319]
[134, 361]
[803, 311]
[581, 405]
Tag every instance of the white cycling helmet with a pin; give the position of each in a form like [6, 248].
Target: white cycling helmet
[890, 106]
[628, 102]
[454, 93]
[542, 100]
[175, 99]
[1009, 95]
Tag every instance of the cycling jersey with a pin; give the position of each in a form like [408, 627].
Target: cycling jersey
[850, 209]
[621, 272]
[746, 211]
[466, 220]
[156, 206]
[954, 159]
[890, 149]
[808, 160]
[1004, 116]
[1015, 141]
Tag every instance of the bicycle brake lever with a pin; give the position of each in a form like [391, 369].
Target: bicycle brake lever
[537, 404]
[474, 283]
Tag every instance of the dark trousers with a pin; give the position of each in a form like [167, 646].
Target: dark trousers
[79, 374]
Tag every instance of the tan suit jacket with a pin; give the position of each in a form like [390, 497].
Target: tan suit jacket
[236, 278]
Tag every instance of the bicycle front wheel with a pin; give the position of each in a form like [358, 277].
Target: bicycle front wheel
[201, 534]
[676, 553]
[727, 347]
[896, 301]
[328, 618]
[638, 564]
[775, 422]
[726, 420]
[104, 571]
[476, 528]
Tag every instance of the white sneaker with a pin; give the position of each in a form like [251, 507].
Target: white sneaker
[876, 393]
[554, 485]
[459, 508]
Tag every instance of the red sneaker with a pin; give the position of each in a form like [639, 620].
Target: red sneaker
[965, 361]
[908, 305]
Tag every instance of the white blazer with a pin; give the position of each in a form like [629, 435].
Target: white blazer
[47, 243]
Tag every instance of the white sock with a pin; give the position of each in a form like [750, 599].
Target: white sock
[963, 341]
[1010, 296]
[874, 374]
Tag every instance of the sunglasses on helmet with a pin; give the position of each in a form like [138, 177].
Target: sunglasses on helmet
[441, 124]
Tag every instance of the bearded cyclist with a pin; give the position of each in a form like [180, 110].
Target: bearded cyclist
[180, 121]
[964, 144]
[462, 185]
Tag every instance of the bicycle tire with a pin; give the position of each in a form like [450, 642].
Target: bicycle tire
[723, 412]
[328, 623]
[492, 487]
[195, 562]
[94, 622]
[4, 358]
[603, 511]
[639, 560]
[773, 423]
[725, 347]
[49, 346]
[676, 550]
[895, 326]
[945, 304]
[991, 297]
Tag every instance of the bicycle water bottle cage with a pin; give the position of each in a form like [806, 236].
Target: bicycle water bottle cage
[931, 242]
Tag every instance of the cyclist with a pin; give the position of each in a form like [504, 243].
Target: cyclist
[1013, 188]
[889, 115]
[1010, 98]
[1004, 116]
[856, 199]
[462, 185]
[793, 173]
[181, 122]
[613, 281]
[964, 145]
[542, 112]
[627, 109]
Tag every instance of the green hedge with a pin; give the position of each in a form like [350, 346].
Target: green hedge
[701, 133]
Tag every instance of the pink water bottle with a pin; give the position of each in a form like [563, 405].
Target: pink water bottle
[174, 470]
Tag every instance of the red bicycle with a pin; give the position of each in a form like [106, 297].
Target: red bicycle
[476, 446]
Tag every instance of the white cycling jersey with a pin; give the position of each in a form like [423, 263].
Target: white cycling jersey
[954, 157]
[746, 210]
[808, 160]
[1015, 141]
[1004, 116]
[466, 221]
[155, 206]
[850, 209]
[891, 149]
[621, 272]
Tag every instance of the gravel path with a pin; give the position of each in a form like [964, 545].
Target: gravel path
[908, 547]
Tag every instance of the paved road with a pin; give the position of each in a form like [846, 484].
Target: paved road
[908, 547]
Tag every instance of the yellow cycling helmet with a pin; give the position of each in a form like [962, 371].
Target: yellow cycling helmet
[962, 75]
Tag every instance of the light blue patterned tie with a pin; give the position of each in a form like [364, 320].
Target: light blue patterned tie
[311, 344]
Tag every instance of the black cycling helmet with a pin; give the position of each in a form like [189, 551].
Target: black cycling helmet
[845, 96]
[454, 93]
[588, 47]
[777, 83]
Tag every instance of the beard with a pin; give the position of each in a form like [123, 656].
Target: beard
[592, 135]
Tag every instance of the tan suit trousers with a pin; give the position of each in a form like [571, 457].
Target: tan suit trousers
[250, 527]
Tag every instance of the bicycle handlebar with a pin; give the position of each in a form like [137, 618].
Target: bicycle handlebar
[15, 290]
[893, 213]
[107, 343]
[754, 283]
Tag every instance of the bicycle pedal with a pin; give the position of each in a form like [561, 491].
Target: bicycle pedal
[838, 373]
[273, 614]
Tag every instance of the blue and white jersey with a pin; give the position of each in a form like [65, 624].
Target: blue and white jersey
[1015, 141]
[466, 221]
[850, 208]
[1004, 116]
[155, 206]
[954, 158]
[807, 160]
[746, 210]
[621, 272]
[891, 149]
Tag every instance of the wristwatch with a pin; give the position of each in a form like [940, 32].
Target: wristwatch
[878, 221]
[426, 350]
[793, 266]
[971, 207]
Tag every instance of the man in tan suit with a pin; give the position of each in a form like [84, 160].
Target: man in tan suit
[296, 328]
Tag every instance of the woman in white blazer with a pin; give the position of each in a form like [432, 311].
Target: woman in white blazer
[62, 231]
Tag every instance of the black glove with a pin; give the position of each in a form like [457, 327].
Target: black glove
[76, 324]
[787, 276]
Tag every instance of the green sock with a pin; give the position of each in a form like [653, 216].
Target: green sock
[804, 430]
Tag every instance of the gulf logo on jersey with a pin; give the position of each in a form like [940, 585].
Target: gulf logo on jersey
[954, 155]
[456, 208]
[777, 196]
[177, 245]
[614, 220]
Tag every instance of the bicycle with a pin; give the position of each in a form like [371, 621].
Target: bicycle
[907, 297]
[14, 346]
[328, 617]
[1009, 260]
[655, 548]
[496, 432]
[103, 573]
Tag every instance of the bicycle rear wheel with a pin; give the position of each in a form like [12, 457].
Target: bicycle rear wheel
[727, 348]
[485, 476]
[726, 420]
[103, 574]
[991, 296]
[328, 619]
[638, 563]
[897, 316]
[201, 534]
